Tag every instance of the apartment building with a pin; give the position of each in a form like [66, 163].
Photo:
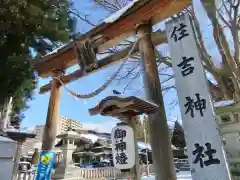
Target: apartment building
[65, 123]
[39, 129]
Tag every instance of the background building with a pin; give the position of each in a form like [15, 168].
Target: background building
[39, 129]
[29, 145]
[63, 125]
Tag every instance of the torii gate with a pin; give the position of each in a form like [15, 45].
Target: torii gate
[139, 19]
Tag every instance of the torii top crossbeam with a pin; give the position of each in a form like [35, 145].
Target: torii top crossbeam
[108, 34]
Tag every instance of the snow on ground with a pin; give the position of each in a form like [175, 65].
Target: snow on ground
[180, 176]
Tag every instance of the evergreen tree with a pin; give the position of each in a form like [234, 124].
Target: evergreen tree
[28, 27]
[178, 139]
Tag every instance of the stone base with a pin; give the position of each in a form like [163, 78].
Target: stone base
[235, 177]
[235, 172]
[63, 172]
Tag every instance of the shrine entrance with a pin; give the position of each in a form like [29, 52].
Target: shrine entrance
[138, 20]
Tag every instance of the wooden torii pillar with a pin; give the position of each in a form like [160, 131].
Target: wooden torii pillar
[159, 136]
[50, 128]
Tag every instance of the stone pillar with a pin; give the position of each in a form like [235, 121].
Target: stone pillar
[229, 124]
[68, 149]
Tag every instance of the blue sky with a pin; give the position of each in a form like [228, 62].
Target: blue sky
[78, 109]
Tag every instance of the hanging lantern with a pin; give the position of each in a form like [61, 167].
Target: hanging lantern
[123, 147]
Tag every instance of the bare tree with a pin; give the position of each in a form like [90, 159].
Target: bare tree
[111, 5]
[225, 84]
[223, 19]
[132, 69]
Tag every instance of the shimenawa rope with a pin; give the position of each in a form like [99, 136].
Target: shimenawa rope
[104, 86]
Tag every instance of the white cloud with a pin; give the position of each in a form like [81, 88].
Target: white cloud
[103, 126]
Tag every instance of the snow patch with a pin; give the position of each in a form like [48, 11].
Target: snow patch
[174, 148]
[55, 50]
[5, 139]
[119, 13]
[223, 103]
[171, 124]
[142, 145]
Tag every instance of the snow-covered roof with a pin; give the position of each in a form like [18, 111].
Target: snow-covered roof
[91, 137]
[83, 128]
[24, 162]
[12, 129]
[105, 160]
[98, 147]
[55, 50]
[120, 12]
[171, 124]
[21, 130]
[5, 139]
[223, 103]
[68, 133]
[142, 145]
[174, 148]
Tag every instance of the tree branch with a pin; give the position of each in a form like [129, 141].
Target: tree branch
[82, 17]
[234, 31]
[200, 43]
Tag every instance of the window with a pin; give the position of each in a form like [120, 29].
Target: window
[70, 141]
